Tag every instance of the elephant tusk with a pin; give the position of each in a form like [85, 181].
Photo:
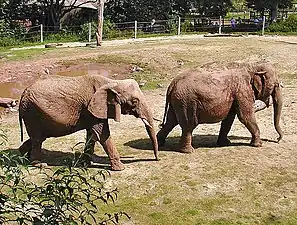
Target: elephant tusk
[146, 123]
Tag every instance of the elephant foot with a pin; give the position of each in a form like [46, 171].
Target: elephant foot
[35, 156]
[117, 165]
[223, 142]
[187, 150]
[256, 143]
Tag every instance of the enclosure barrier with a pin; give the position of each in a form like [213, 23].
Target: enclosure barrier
[137, 29]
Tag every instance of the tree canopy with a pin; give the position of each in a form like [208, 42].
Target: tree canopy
[50, 12]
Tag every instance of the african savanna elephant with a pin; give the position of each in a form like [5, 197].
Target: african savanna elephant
[58, 106]
[198, 97]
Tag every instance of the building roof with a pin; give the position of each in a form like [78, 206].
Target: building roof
[91, 4]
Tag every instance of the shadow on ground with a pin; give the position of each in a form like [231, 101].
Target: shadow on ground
[199, 141]
[58, 158]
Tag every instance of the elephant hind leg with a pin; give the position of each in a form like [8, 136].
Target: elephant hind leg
[171, 122]
[225, 128]
[185, 141]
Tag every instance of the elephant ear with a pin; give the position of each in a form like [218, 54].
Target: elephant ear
[105, 104]
[258, 81]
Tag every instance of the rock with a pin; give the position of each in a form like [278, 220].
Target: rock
[46, 71]
[8, 103]
[180, 62]
[52, 45]
[136, 69]
[142, 83]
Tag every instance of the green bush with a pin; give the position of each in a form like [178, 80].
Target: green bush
[47, 196]
[287, 25]
[10, 33]
[186, 26]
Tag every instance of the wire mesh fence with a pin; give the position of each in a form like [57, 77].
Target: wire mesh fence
[134, 29]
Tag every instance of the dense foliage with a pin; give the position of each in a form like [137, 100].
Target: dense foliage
[53, 196]
[64, 22]
[288, 25]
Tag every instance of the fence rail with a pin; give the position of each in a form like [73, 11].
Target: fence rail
[135, 29]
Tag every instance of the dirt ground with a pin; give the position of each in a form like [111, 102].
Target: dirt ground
[238, 184]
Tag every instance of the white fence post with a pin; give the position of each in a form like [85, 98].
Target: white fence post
[263, 25]
[220, 25]
[135, 29]
[178, 26]
[90, 32]
[41, 33]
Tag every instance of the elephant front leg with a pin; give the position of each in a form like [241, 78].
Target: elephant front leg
[90, 142]
[103, 134]
[248, 118]
[26, 148]
[36, 155]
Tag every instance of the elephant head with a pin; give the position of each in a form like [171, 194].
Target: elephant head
[123, 97]
[265, 83]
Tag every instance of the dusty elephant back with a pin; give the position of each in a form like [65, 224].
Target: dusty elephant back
[56, 104]
[204, 96]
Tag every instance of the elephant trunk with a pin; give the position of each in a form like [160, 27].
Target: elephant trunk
[277, 108]
[147, 119]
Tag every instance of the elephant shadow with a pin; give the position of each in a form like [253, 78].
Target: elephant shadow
[59, 158]
[198, 141]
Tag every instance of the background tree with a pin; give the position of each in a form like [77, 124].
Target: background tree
[270, 5]
[143, 10]
[239, 4]
[54, 10]
[212, 7]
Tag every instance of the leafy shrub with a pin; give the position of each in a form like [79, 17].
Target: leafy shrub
[109, 31]
[186, 26]
[288, 25]
[3, 137]
[65, 195]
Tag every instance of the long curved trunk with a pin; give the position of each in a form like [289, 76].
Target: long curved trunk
[152, 133]
[147, 118]
[277, 108]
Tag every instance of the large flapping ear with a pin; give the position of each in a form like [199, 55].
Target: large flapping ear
[258, 81]
[105, 104]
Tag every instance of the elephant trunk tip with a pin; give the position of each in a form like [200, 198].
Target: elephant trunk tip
[279, 138]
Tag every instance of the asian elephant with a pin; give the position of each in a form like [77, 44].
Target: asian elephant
[198, 97]
[58, 106]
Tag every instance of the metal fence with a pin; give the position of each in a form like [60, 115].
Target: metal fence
[136, 29]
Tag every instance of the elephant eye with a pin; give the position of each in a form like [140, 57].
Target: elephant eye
[134, 102]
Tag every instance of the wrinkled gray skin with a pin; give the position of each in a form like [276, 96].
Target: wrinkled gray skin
[58, 106]
[201, 97]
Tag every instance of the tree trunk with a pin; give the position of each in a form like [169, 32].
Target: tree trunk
[274, 13]
[100, 22]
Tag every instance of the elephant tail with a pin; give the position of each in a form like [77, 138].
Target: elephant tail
[165, 113]
[21, 126]
[168, 94]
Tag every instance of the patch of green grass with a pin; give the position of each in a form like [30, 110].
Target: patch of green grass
[114, 58]
[23, 54]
